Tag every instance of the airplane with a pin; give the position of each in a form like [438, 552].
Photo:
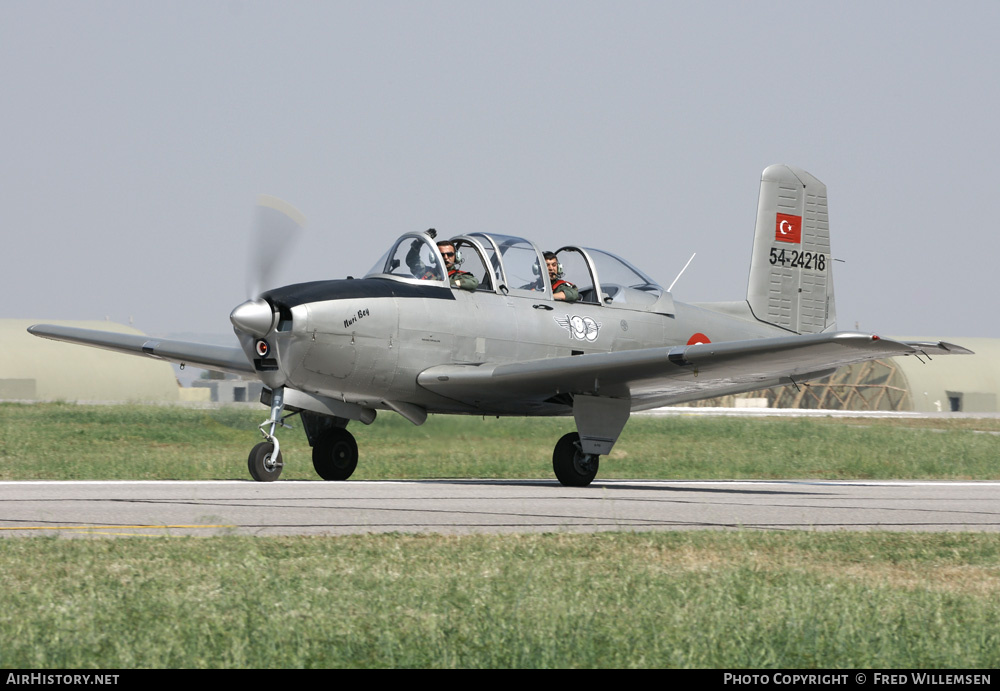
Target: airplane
[404, 339]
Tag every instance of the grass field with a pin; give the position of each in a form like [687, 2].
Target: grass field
[64, 441]
[746, 600]
[696, 599]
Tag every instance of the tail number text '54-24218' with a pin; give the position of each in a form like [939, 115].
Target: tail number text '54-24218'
[797, 259]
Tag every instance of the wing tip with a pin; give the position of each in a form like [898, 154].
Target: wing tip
[39, 329]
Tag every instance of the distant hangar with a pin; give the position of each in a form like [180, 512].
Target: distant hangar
[37, 369]
[956, 383]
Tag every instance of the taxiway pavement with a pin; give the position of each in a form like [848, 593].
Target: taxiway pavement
[177, 508]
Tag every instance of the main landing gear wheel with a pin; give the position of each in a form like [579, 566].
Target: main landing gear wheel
[335, 454]
[572, 466]
[264, 468]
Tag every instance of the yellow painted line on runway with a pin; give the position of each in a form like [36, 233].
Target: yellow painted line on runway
[101, 532]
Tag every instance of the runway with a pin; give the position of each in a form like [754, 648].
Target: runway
[173, 508]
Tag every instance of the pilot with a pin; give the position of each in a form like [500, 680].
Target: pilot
[561, 290]
[456, 278]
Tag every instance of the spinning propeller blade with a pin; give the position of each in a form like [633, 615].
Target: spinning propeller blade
[276, 227]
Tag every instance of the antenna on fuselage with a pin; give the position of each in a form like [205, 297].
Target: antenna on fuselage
[670, 289]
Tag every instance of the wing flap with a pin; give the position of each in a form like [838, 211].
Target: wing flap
[213, 357]
[659, 376]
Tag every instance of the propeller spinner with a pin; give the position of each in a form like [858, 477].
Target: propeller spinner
[254, 317]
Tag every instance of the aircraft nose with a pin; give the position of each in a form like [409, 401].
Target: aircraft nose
[254, 317]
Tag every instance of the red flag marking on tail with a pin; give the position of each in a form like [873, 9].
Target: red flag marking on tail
[788, 228]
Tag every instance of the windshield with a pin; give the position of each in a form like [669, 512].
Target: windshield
[379, 266]
[413, 256]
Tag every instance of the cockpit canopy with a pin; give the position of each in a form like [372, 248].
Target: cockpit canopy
[514, 266]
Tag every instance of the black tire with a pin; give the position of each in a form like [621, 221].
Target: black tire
[572, 467]
[260, 464]
[335, 454]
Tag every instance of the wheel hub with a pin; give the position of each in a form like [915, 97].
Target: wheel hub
[269, 463]
[583, 463]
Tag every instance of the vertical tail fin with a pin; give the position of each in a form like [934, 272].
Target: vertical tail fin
[791, 270]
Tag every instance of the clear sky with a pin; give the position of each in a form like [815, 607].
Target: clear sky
[137, 135]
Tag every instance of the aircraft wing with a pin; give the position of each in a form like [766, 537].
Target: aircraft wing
[653, 377]
[213, 357]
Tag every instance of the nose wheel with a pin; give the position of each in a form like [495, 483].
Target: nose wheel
[572, 466]
[264, 463]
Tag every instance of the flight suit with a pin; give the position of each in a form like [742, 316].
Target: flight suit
[462, 280]
[571, 292]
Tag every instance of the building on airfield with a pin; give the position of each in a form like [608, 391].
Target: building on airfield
[963, 383]
[37, 369]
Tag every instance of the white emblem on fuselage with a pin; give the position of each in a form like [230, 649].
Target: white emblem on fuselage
[781, 228]
[580, 328]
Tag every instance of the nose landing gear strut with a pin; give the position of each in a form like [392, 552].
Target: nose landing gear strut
[264, 462]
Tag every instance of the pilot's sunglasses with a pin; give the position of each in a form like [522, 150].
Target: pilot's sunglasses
[448, 254]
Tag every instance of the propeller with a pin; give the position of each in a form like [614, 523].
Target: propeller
[275, 230]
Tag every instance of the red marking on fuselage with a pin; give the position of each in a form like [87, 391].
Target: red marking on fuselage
[699, 338]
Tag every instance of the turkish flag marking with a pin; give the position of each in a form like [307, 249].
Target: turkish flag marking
[788, 228]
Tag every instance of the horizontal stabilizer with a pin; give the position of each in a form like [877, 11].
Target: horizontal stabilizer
[213, 357]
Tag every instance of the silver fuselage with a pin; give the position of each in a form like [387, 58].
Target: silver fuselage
[365, 341]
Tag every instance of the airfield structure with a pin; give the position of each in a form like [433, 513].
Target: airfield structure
[968, 384]
[34, 369]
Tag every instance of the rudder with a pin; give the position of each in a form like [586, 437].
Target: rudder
[791, 270]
